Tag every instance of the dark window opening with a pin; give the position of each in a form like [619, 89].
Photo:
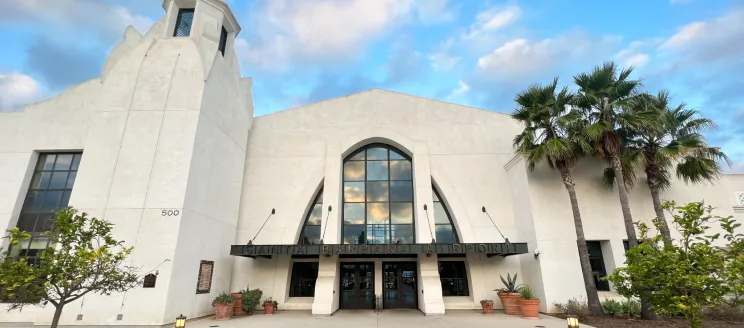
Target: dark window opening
[454, 278]
[49, 192]
[311, 229]
[378, 197]
[223, 41]
[596, 260]
[149, 281]
[445, 231]
[304, 275]
[183, 22]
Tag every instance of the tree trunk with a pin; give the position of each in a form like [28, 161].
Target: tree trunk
[660, 213]
[624, 204]
[595, 307]
[57, 315]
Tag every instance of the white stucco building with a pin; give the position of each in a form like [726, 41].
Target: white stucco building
[165, 146]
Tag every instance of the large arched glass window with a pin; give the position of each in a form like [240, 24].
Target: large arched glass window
[378, 197]
[445, 230]
[311, 229]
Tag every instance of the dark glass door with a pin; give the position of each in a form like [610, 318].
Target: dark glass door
[357, 285]
[399, 285]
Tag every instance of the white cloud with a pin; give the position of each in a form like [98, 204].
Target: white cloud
[442, 58]
[17, 90]
[463, 89]
[493, 19]
[736, 168]
[709, 40]
[319, 29]
[633, 55]
[434, 11]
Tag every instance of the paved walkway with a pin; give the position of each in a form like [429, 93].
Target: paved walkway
[388, 319]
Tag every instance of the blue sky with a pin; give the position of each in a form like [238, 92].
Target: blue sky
[476, 53]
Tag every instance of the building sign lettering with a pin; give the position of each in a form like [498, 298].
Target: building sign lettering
[461, 248]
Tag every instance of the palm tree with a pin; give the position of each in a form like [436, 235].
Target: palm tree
[603, 95]
[676, 140]
[552, 134]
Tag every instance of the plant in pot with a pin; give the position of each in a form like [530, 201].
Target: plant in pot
[529, 304]
[251, 300]
[509, 295]
[487, 306]
[238, 304]
[270, 306]
[223, 305]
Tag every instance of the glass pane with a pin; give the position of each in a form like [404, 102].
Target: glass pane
[183, 23]
[76, 162]
[354, 234]
[59, 180]
[377, 213]
[440, 214]
[401, 213]
[377, 170]
[319, 199]
[44, 222]
[358, 156]
[311, 235]
[377, 154]
[39, 243]
[71, 179]
[400, 170]
[354, 213]
[63, 162]
[401, 234]
[396, 155]
[34, 199]
[377, 191]
[46, 162]
[444, 234]
[434, 195]
[41, 180]
[315, 215]
[354, 192]
[26, 222]
[378, 234]
[51, 200]
[354, 171]
[65, 199]
[401, 191]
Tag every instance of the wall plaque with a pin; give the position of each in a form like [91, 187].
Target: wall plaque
[204, 284]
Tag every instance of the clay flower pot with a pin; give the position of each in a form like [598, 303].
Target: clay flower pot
[487, 306]
[223, 311]
[238, 305]
[510, 302]
[269, 307]
[530, 308]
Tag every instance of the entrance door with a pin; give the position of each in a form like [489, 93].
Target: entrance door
[399, 285]
[357, 285]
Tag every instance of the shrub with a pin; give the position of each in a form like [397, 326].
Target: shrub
[224, 298]
[251, 299]
[575, 307]
[612, 307]
[724, 312]
[510, 284]
[631, 308]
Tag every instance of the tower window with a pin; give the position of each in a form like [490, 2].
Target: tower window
[183, 22]
[223, 41]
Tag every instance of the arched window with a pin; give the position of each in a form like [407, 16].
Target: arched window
[445, 230]
[311, 229]
[378, 197]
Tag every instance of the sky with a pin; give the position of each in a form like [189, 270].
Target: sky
[475, 53]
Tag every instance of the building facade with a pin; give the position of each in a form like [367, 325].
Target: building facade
[373, 199]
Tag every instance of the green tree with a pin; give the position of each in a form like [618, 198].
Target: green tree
[82, 258]
[676, 278]
[552, 134]
[675, 141]
[734, 253]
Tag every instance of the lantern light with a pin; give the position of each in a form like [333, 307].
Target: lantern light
[180, 321]
[573, 322]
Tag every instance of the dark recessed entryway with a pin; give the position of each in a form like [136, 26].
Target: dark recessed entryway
[357, 285]
[399, 285]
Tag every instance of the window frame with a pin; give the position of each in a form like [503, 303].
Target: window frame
[387, 228]
[455, 233]
[223, 41]
[602, 285]
[293, 292]
[317, 200]
[460, 267]
[179, 17]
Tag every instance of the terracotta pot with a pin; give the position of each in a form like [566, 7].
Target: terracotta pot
[238, 305]
[223, 311]
[269, 307]
[487, 308]
[510, 302]
[530, 308]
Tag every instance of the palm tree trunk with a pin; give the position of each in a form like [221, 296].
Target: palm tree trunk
[663, 225]
[595, 307]
[624, 204]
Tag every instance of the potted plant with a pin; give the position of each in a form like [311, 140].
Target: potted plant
[270, 306]
[223, 305]
[487, 306]
[238, 304]
[509, 295]
[529, 304]
[251, 299]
